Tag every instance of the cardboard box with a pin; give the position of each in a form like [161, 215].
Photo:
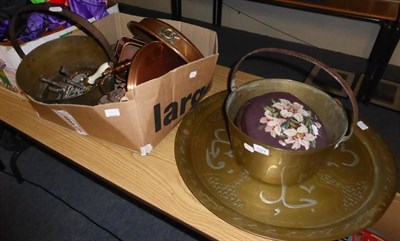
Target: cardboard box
[12, 59]
[154, 107]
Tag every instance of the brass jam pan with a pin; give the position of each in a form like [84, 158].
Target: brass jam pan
[55, 72]
[150, 29]
[52, 61]
[348, 194]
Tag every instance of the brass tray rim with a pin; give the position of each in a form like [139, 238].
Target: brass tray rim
[386, 196]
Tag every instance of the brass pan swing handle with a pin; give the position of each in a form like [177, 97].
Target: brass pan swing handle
[327, 69]
[61, 10]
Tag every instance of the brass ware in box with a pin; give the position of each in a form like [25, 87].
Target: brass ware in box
[57, 71]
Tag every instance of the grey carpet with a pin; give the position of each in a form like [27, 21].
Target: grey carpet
[57, 202]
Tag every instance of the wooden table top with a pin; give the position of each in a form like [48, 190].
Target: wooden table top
[374, 9]
[154, 179]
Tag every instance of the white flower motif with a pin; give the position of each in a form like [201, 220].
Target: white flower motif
[299, 137]
[267, 117]
[273, 124]
[287, 121]
[282, 104]
[315, 129]
[288, 110]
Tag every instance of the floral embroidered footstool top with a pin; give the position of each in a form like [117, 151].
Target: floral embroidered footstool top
[281, 120]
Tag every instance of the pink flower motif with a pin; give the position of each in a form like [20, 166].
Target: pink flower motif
[282, 143]
[291, 123]
[267, 117]
[299, 137]
[274, 127]
[273, 124]
[288, 109]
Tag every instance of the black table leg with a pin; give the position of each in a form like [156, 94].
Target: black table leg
[2, 167]
[390, 46]
[217, 12]
[375, 58]
[176, 9]
[13, 161]
[14, 142]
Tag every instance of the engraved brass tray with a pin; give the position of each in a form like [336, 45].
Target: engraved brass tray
[349, 193]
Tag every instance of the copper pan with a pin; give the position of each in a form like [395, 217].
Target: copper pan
[150, 29]
[152, 61]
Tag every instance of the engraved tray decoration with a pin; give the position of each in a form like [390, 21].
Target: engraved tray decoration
[348, 194]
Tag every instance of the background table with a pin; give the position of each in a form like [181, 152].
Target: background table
[384, 13]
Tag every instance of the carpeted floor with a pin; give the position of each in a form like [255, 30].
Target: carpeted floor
[57, 201]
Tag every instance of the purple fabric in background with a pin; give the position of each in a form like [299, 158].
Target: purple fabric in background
[3, 29]
[89, 8]
[39, 23]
